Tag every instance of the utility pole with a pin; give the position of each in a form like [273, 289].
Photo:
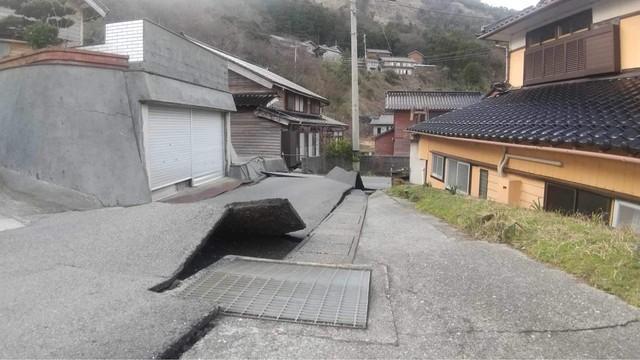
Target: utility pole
[355, 93]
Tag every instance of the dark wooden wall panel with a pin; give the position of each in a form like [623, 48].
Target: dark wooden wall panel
[253, 136]
[583, 54]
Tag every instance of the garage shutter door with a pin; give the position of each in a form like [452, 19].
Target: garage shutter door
[207, 134]
[168, 146]
[184, 144]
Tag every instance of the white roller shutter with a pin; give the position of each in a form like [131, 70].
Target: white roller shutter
[168, 146]
[207, 137]
[184, 144]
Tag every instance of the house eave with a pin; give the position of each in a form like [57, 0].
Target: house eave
[549, 148]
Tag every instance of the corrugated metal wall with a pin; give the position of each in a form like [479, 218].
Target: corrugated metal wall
[253, 136]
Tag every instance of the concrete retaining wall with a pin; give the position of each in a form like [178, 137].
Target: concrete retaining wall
[72, 126]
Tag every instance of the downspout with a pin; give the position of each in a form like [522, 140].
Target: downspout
[506, 61]
[503, 162]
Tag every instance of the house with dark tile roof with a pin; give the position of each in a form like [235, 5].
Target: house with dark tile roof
[564, 134]
[411, 107]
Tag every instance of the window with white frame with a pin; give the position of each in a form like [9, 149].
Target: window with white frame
[317, 143]
[626, 214]
[301, 145]
[457, 175]
[437, 167]
[311, 148]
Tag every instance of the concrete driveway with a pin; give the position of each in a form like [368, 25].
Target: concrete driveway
[438, 294]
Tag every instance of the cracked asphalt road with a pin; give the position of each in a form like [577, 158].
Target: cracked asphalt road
[438, 294]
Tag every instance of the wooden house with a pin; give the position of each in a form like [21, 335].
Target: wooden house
[276, 117]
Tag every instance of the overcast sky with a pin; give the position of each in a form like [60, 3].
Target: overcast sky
[512, 4]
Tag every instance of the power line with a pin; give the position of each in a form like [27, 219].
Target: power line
[458, 58]
[455, 53]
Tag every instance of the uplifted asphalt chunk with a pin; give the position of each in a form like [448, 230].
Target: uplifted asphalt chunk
[348, 177]
[269, 217]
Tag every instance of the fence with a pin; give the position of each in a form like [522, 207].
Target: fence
[369, 165]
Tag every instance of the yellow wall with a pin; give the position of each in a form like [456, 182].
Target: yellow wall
[629, 52]
[590, 172]
[516, 68]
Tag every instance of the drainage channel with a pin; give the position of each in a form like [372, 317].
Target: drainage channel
[319, 294]
[272, 289]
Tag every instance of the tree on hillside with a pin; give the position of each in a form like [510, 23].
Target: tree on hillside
[473, 75]
[37, 21]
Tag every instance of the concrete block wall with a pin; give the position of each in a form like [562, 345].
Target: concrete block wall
[125, 38]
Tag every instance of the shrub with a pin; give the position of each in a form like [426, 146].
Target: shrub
[40, 35]
[391, 77]
[339, 149]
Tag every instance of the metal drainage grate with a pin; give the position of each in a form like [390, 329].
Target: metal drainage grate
[276, 290]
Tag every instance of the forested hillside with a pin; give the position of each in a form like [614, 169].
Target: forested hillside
[442, 29]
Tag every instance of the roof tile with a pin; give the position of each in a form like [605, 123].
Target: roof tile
[433, 100]
[601, 113]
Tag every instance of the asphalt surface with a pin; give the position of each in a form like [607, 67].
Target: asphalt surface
[76, 284]
[438, 294]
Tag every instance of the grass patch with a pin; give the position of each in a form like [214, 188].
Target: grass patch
[606, 258]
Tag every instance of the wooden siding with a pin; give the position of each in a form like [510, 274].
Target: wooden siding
[629, 52]
[401, 140]
[253, 136]
[583, 54]
[619, 179]
[240, 84]
[384, 144]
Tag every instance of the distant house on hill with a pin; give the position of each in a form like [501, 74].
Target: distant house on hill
[417, 56]
[399, 65]
[382, 124]
[378, 53]
[329, 53]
